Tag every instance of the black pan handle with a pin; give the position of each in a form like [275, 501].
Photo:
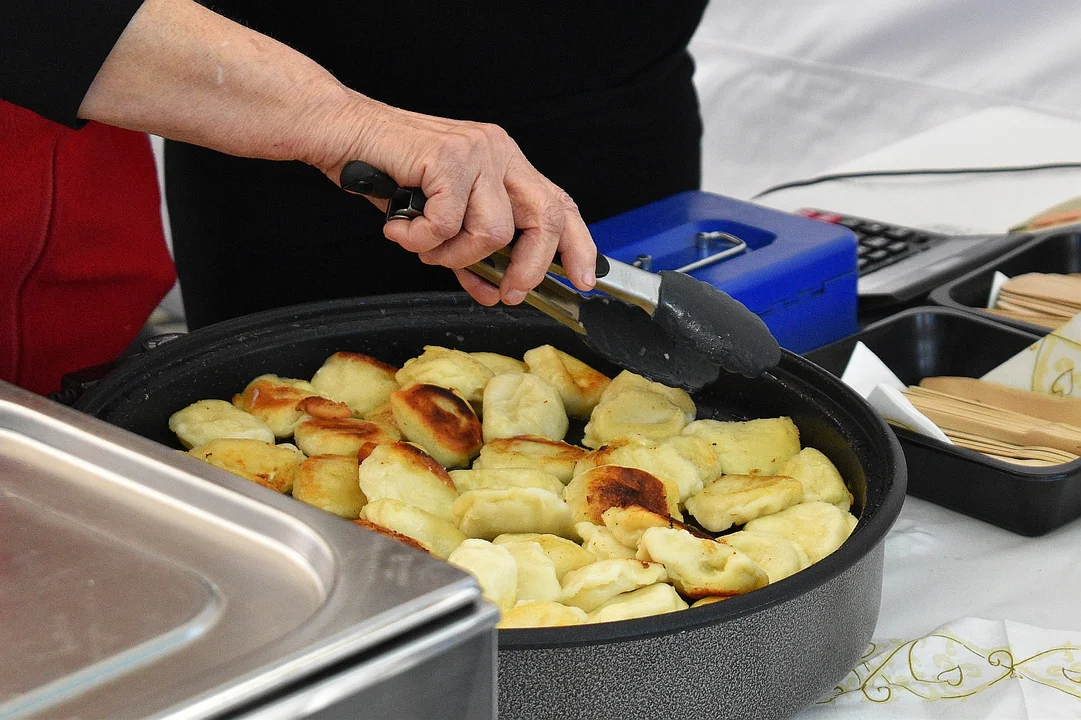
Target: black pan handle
[407, 203]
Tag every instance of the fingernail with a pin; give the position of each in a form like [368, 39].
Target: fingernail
[589, 278]
[513, 297]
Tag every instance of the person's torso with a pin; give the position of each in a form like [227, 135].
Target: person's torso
[491, 61]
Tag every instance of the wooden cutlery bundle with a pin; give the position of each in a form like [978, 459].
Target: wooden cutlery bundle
[1044, 299]
[1018, 426]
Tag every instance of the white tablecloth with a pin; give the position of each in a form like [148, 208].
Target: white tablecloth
[976, 622]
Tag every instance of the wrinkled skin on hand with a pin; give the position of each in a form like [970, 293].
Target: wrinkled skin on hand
[480, 188]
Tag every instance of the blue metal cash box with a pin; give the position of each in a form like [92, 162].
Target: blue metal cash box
[799, 275]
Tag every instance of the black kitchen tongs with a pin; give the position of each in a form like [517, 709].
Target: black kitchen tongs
[696, 329]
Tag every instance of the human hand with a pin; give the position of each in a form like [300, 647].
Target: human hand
[480, 188]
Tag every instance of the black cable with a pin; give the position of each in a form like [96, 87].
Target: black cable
[922, 171]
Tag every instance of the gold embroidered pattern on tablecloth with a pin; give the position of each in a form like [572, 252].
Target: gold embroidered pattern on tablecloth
[943, 667]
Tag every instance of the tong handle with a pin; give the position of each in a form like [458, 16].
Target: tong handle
[407, 203]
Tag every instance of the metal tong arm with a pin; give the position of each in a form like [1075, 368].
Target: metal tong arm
[550, 297]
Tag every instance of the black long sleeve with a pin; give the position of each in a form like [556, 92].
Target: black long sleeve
[51, 50]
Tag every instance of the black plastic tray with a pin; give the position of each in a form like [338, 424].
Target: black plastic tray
[926, 341]
[1056, 251]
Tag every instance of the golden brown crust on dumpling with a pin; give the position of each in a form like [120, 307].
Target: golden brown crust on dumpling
[391, 534]
[274, 400]
[593, 492]
[552, 456]
[344, 436]
[323, 408]
[440, 420]
[329, 482]
[272, 466]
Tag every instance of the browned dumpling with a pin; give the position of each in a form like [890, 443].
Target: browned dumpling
[593, 492]
[272, 466]
[579, 385]
[660, 460]
[405, 472]
[735, 499]
[529, 451]
[361, 382]
[274, 400]
[628, 524]
[329, 482]
[440, 421]
[339, 437]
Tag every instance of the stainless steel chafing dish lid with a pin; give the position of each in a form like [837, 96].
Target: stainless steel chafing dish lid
[136, 581]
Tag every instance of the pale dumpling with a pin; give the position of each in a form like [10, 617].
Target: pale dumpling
[402, 471]
[591, 586]
[434, 534]
[633, 412]
[579, 385]
[818, 527]
[778, 556]
[493, 567]
[499, 364]
[361, 382]
[596, 490]
[274, 400]
[207, 420]
[329, 482]
[565, 554]
[529, 451]
[700, 453]
[662, 461]
[440, 421]
[272, 466]
[488, 513]
[523, 404]
[602, 544]
[536, 572]
[484, 479]
[750, 447]
[448, 368]
[735, 499]
[698, 567]
[819, 477]
[627, 380]
[541, 614]
[655, 599]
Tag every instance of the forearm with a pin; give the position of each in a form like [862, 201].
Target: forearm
[186, 73]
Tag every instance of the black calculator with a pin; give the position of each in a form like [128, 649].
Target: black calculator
[898, 264]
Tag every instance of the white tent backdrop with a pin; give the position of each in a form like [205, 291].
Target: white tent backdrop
[791, 88]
